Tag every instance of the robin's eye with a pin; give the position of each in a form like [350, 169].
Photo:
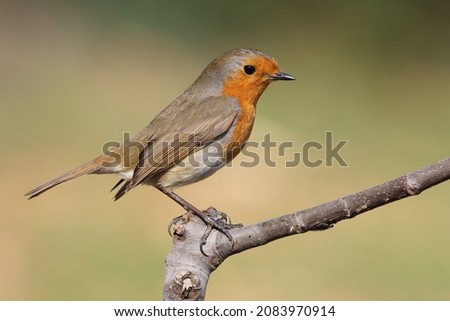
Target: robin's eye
[249, 69]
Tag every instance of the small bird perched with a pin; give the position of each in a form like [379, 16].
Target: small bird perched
[196, 135]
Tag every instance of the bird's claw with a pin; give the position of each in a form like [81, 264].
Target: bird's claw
[213, 219]
[220, 221]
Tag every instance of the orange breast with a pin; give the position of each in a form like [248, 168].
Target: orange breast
[241, 133]
[244, 124]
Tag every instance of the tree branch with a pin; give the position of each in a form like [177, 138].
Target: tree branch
[188, 270]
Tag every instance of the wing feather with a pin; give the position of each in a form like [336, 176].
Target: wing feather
[201, 124]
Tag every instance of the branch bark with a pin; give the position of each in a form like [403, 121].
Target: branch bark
[187, 269]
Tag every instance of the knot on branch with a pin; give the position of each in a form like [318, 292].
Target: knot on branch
[412, 186]
[187, 284]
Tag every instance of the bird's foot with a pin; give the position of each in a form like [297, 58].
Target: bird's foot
[212, 218]
[221, 217]
[220, 221]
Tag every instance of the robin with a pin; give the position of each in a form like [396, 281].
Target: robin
[196, 135]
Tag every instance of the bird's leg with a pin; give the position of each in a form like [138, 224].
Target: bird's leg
[212, 218]
[182, 202]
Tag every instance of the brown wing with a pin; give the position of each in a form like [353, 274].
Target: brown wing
[200, 125]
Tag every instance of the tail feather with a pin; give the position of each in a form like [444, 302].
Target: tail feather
[117, 184]
[123, 189]
[94, 166]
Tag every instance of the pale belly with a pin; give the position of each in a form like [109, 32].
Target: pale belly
[193, 168]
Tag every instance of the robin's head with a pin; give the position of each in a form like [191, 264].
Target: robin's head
[241, 73]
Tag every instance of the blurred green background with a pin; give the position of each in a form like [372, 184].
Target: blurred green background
[75, 74]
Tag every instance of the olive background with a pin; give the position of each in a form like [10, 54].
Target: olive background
[77, 74]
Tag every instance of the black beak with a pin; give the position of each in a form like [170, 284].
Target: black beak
[281, 76]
